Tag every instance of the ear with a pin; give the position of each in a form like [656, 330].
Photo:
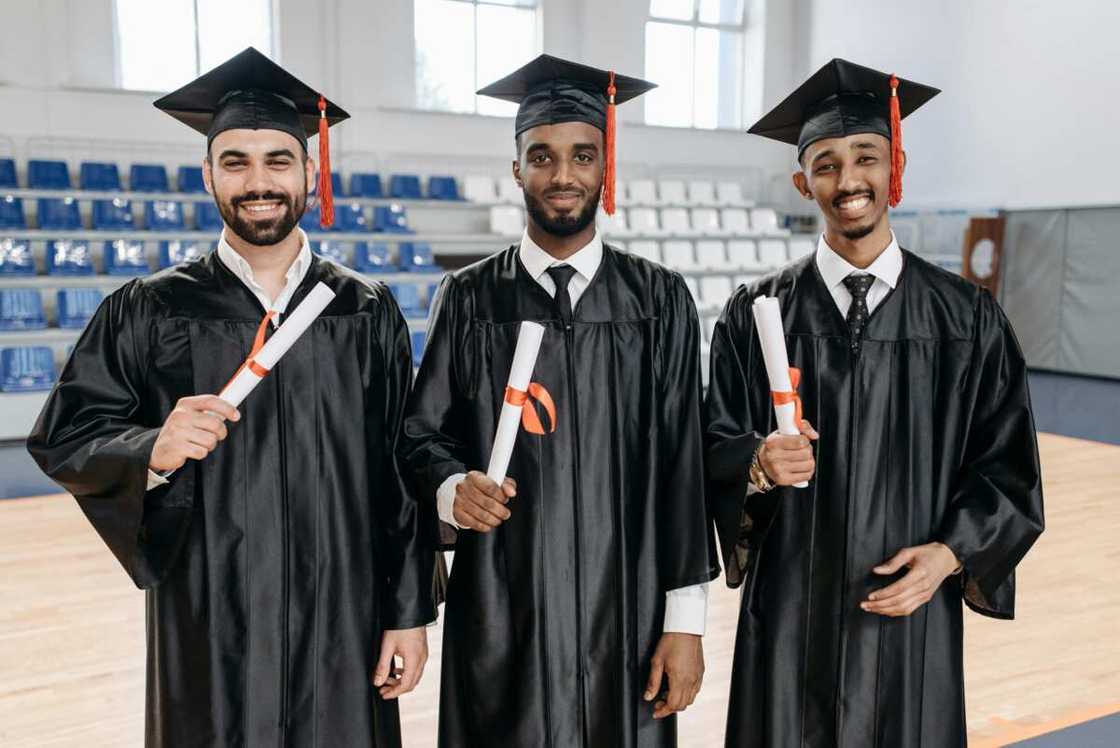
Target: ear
[517, 173]
[902, 165]
[801, 184]
[207, 176]
[309, 174]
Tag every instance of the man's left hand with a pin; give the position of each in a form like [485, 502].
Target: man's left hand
[680, 657]
[928, 565]
[411, 645]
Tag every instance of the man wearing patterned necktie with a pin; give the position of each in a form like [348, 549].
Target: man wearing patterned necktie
[924, 491]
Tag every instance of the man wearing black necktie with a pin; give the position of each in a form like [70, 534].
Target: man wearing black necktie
[578, 593]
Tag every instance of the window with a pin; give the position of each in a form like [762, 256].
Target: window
[461, 45]
[695, 53]
[161, 46]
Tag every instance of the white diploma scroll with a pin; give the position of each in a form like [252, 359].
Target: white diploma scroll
[275, 347]
[771, 334]
[520, 372]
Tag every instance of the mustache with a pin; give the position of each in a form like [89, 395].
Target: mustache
[573, 190]
[845, 195]
[250, 197]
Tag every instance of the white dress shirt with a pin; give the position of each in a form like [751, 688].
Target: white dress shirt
[244, 272]
[834, 269]
[686, 608]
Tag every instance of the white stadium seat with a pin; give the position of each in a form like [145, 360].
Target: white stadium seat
[764, 220]
[701, 193]
[801, 246]
[731, 194]
[715, 290]
[706, 221]
[671, 192]
[694, 289]
[742, 253]
[641, 192]
[712, 255]
[709, 324]
[772, 253]
[613, 226]
[509, 192]
[674, 221]
[479, 188]
[678, 255]
[646, 249]
[735, 221]
[506, 220]
[643, 222]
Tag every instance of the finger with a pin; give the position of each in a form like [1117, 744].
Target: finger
[800, 464]
[787, 443]
[913, 581]
[896, 562]
[216, 405]
[467, 517]
[482, 484]
[661, 710]
[509, 487]
[808, 430]
[898, 607]
[483, 514]
[201, 438]
[653, 685]
[191, 452]
[410, 674]
[384, 664]
[210, 422]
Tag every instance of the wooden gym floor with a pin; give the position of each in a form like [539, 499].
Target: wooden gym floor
[72, 628]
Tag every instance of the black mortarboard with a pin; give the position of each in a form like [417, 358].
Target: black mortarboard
[841, 99]
[250, 91]
[550, 90]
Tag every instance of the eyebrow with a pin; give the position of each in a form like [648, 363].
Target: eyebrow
[281, 152]
[231, 153]
[863, 145]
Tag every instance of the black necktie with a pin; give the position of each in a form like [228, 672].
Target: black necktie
[858, 286]
[561, 276]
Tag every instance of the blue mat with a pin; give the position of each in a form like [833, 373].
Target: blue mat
[1103, 732]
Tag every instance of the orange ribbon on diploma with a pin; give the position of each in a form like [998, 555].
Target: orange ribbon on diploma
[784, 398]
[524, 399]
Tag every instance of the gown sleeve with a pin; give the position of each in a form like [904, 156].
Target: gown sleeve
[94, 440]
[432, 442]
[687, 554]
[996, 511]
[407, 525]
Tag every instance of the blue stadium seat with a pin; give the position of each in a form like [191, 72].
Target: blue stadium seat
[8, 173]
[21, 309]
[148, 178]
[59, 214]
[76, 306]
[26, 369]
[391, 218]
[408, 299]
[68, 257]
[125, 257]
[96, 175]
[16, 257]
[443, 188]
[416, 257]
[373, 257]
[207, 217]
[419, 338]
[336, 184]
[331, 250]
[405, 186]
[366, 185]
[47, 175]
[112, 215]
[174, 252]
[164, 215]
[189, 179]
[350, 217]
[309, 221]
[11, 213]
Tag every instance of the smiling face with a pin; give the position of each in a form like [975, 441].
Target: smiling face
[849, 178]
[560, 170]
[259, 180]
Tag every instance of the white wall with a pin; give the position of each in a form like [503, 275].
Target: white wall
[56, 59]
[1031, 94]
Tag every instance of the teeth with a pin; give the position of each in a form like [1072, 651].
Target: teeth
[259, 208]
[854, 202]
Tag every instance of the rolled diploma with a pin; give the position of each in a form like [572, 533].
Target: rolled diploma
[520, 372]
[771, 334]
[285, 336]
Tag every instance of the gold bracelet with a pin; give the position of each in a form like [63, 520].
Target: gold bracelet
[758, 474]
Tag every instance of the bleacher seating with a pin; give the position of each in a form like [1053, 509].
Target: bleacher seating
[711, 254]
[164, 215]
[645, 248]
[730, 194]
[678, 255]
[148, 178]
[706, 221]
[772, 253]
[207, 217]
[694, 289]
[801, 247]
[45, 174]
[405, 187]
[611, 226]
[443, 188]
[506, 220]
[16, 257]
[418, 340]
[366, 185]
[674, 221]
[408, 299]
[21, 309]
[98, 175]
[480, 189]
[59, 214]
[671, 192]
[742, 253]
[764, 220]
[332, 250]
[350, 217]
[174, 252]
[701, 193]
[76, 305]
[715, 290]
[8, 176]
[416, 257]
[112, 215]
[373, 257]
[190, 179]
[735, 221]
[641, 192]
[643, 221]
[11, 212]
[26, 369]
[509, 192]
[69, 257]
[125, 257]
[391, 219]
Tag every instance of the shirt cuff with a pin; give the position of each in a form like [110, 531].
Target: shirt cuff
[686, 610]
[155, 480]
[445, 499]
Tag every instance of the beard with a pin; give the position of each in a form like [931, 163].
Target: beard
[562, 224]
[858, 232]
[268, 232]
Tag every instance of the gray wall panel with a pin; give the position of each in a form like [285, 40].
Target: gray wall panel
[1089, 340]
[1031, 283]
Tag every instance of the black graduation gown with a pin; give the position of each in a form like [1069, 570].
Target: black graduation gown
[552, 618]
[272, 566]
[926, 435]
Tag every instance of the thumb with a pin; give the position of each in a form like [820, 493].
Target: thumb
[808, 430]
[900, 559]
[656, 667]
[384, 663]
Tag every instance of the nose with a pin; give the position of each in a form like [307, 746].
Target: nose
[562, 174]
[849, 182]
[257, 179]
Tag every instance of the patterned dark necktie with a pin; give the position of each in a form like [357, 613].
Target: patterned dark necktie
[858, 286]
[561, 276]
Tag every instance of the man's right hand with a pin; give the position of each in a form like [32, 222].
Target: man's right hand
[789, 459]
[192, 431]
[480, 503]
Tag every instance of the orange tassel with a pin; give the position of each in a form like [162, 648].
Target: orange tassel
[896, 147]
[609, 168]
[326, 189]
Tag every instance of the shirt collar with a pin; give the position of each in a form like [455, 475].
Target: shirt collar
[834, 268]
[241, 268]
[586, 260]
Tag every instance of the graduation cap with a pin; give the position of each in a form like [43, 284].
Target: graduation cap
[251, 92]
[841, 99]
[550, 90]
